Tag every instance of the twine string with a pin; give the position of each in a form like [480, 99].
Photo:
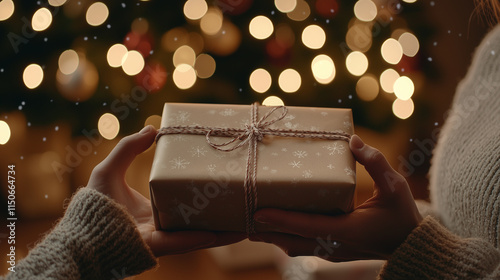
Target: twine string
[251, 135]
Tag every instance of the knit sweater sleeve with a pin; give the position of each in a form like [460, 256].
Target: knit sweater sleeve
[96, 239]
[433, 252]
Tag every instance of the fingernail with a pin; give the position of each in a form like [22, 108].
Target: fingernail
[145, 130]
[356, 142]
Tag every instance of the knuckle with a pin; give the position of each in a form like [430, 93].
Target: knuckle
[376, 156]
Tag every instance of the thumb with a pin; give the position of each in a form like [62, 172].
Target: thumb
[120, 158]
[386, 179]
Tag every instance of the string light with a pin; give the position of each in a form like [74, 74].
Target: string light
[403, 109]
[204, 66]
[68, 62]
[273, 101]
[41, 20]
[387, 80]
[133, 63]
[301, 11]
[56, 3]
[365, 10]
[211, 22]
[116, 55]
[184, 76]
[260, 80]
[367, 88]
[33, 76]
[313, 37]
[108, 126]
[404, 88]
[409, 44]
[195, 9]
[391, 50]
[261, 27]
[97, 14]
[289, 80]
[6, 9]
[4, 133]
[356, 63]
[184, 55]
[285, 6]
[323, 69]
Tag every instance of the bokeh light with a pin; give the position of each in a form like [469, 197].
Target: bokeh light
[367, 88]
[273, 101]
[409, 43]
[133, 63]
[154, 120]
[327, 8]
[41, 20]
[359, 37]
[6, 9]
[68, 62]
[404, 88]
[108, 126]
[289, 80]
[356, 63]
[387, 80]
[410, 1]
[301, 11]
[116, 54]
[403, 109]
[81, 84]
[184, 76]
[184, 55]
[260, 80]
[204, 66]
[174, 38]
[33, 76]
[391, 51]
[140, 26]
[261, 27]
[313, 36]
[226, 41]
[195, 9]
[56, 3]
[211, 22]
[97, 14]
[285, 6]
[323, 69]
[4, 132]
[365, 10]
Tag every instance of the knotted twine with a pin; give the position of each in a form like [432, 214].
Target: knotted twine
[251, 135]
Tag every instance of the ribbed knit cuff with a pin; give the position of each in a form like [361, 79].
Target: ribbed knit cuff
[433, 252]
[103, 238]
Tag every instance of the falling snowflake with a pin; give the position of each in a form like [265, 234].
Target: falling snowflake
[198, 151]
[181, 116]
[335, 148]
[330, 166]
[211, 168]
[295, 164]
[300, 154]
[307, 174]
[179, 163]
[349, 171]
[228, 112]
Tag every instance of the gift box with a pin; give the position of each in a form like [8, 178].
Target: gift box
[215, 165]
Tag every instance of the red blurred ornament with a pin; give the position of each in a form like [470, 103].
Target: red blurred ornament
[153, 77]
[409, 64]
[327, 8]
[278, 53]
[233, 7]
[142, 43]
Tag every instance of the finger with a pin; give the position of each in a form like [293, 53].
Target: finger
[386, 179]
[325, 248]
[308, 225]
[120, 158]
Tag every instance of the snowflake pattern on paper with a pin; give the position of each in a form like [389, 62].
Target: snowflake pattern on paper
[289, 117]
[335, 148]
[228, 112]
[295, 164]
[290, 125]
[274, 171]
[265, 168]
[330, 166]
[178, 138]
[324, 114]
[284, 149]
[181, 116]
[307, 174]
[347, 124]
[211, 168]
[349, 171]
[198, 151]
[274, 154]
[179, 163]
[300, 154]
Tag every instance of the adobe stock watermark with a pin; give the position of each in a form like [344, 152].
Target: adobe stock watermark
[121, 275]
[454, 119]
[201, 198]
[26, 33]
[304, 269]
[121, 107]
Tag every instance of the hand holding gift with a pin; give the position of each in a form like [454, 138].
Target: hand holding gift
[108, 177]
[372, 231]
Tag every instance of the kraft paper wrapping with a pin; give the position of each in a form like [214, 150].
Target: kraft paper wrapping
[195, 187]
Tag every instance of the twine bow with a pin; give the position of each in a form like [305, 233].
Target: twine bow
[251, 135]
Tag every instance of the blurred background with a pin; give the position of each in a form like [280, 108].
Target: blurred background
[76, 76]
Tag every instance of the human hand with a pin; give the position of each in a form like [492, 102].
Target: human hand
[108, 177]
[372, 231]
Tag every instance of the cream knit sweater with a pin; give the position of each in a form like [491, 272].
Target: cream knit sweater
[464, 184]
[96, 239]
